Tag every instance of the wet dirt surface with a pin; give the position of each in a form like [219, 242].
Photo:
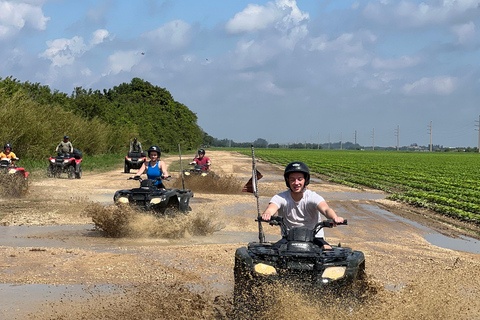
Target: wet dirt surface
[54, 263]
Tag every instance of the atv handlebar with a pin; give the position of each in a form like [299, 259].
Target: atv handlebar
[166, 178]
[329, 223]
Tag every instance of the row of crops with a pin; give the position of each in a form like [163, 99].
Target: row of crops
[448, 183]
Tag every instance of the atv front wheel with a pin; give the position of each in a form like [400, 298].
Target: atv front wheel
[78, 175]
[126, 168]
[71, 173]
[50, 171]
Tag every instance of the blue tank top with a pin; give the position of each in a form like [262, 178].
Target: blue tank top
[154, 172]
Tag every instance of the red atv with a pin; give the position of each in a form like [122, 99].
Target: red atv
[69, 163]
[134, 160]
[13, 179]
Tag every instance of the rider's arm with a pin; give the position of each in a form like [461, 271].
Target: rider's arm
[141, 170]
[163, 168]
[270, 211]
[70, 147]
[328, 212]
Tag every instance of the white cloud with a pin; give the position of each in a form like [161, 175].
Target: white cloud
[283, 15]
[411, 14]
[438, 85]
[173, 35]
[465, 33]
[16, 15]
[99, 36]
[122, 61]
[399, 63]
[64, 51]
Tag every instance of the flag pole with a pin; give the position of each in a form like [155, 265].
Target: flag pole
[181, 168]
[261, 235]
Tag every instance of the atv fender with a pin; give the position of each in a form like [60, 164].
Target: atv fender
[242, 255]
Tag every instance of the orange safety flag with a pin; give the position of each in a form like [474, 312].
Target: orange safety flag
[249, 186]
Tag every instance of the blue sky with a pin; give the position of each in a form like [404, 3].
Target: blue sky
[286, 71]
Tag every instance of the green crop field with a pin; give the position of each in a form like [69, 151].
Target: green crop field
[448, 183]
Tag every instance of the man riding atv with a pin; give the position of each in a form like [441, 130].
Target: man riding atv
[202, 161]
[64, 146]
[299, 206]
[135, 146]
[8, 154]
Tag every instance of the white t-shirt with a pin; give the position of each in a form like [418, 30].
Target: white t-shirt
[303, 213]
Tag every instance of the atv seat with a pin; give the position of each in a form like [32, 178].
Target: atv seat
[136, 154]
[147, 183]
[300, 234]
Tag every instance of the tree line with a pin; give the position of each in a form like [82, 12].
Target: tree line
[35, 118]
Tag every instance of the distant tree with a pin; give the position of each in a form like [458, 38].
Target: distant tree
[260, 143]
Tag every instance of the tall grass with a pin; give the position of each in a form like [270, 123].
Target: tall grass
[35, 130]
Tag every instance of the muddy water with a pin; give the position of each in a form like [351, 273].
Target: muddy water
[51, 272]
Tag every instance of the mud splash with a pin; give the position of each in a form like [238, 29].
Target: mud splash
[124, 221]
[211, 183]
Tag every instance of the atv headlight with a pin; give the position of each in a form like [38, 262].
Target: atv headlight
[155, 201]
[187, 173]
[334, 273]
[264, 269]
[123, 200]
[52, 160]
[203, 174]
[12, 171]
[66, 161]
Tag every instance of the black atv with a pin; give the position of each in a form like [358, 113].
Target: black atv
[134, 160]
[295, 260]
[155, 199]
[69, 163]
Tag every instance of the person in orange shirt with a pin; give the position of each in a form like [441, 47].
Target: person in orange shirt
[7, 153]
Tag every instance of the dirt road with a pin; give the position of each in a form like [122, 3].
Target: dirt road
[55, 265]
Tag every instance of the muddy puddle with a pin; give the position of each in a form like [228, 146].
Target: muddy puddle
[462, 243]
[18, 300]
[87, 237]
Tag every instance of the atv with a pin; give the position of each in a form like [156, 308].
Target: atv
[13, 179]
[134, 160]
[155, 199]
[196, 171]
[295, 260]
[69, 163]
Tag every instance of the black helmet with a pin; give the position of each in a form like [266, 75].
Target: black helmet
[135, 139]
[297, 166]
[65, 137]
[201, 151]
[7, 145]
[156, 149]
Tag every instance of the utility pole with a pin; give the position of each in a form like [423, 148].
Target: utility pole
[397, 133]
[373, 139]
[329, 141]
[478, 125]
[341, 140]
[318, 145]
[355, 138]
[431, 131]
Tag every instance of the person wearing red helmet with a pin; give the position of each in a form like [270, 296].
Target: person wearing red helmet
[299, 206]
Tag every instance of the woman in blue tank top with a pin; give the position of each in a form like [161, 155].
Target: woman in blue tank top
[155, 168]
